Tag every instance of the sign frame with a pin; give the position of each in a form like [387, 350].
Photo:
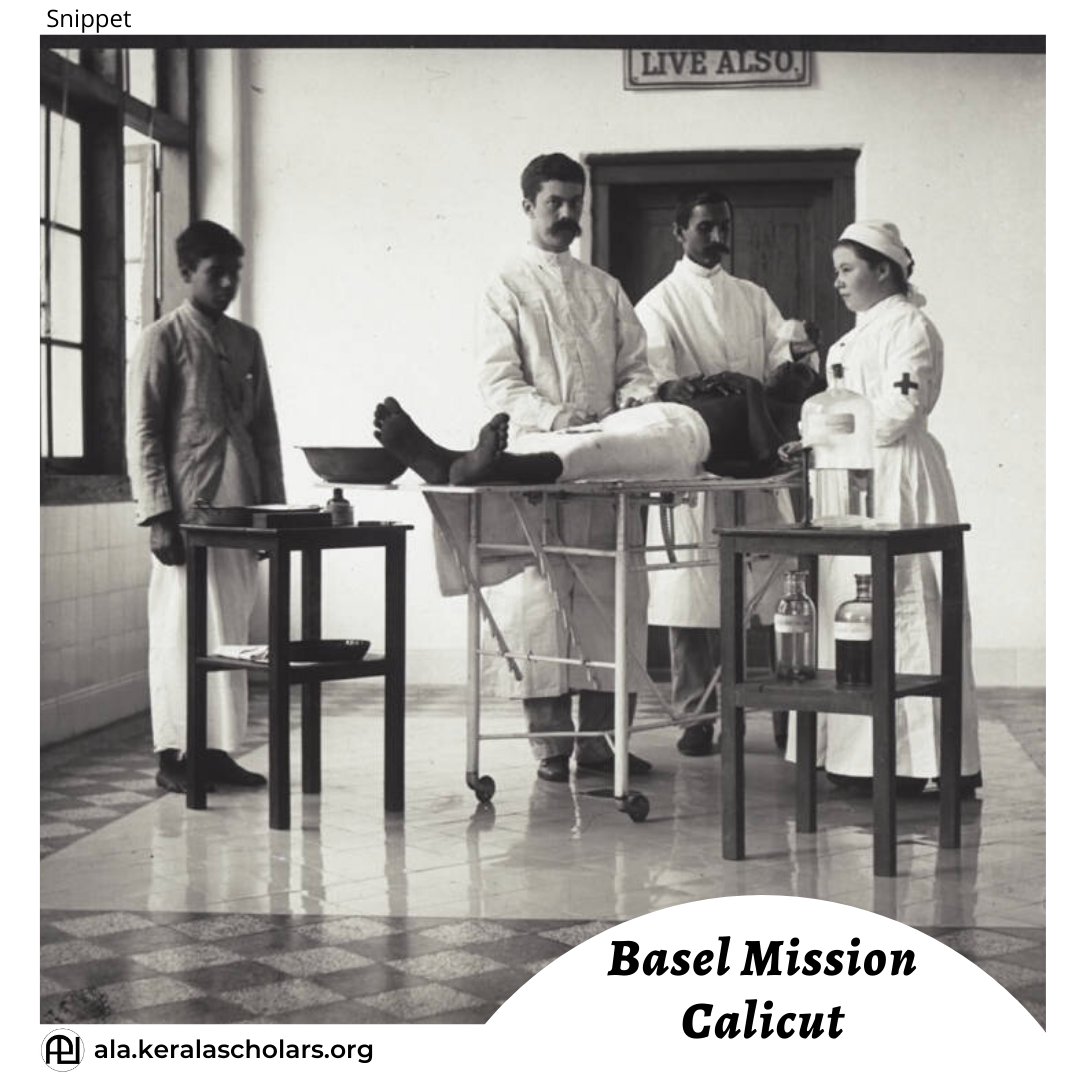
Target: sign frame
[699, 69]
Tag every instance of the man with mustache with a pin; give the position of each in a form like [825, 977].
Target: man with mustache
[701, 321]
[559, 345]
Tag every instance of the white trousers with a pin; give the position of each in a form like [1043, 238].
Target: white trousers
[232, 584]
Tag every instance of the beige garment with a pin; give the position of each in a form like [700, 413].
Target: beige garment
[232, 582]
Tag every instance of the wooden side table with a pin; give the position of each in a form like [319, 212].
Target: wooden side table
[280, 544]
[737, 692]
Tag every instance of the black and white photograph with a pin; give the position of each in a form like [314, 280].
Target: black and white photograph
[496, 488]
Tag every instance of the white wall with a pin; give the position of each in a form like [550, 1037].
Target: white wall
[383, 187]
[95, 566]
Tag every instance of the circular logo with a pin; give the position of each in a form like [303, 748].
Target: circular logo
[62, 1049]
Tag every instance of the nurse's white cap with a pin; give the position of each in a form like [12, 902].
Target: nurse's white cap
[882, 237]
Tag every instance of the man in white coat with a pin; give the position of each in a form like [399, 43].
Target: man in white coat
[559, 345]
[700, 321]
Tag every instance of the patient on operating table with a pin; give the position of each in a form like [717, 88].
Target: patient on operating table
[733, 426]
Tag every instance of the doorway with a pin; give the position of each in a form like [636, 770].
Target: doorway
[789, 207]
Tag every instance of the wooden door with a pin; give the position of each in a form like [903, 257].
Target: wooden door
[788, 211]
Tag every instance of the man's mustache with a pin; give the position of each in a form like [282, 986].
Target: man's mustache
[718, 248]
[567, 226]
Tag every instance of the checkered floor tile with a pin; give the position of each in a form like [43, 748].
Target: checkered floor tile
[121, 967]
[139, 966]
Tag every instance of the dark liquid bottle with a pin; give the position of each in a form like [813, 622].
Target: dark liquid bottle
[854, 638]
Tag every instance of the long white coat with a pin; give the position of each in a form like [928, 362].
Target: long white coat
[702, 322]
[894, 357]
[555, 332]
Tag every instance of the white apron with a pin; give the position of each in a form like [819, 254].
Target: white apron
[912, 486]
[703, 322]
[232, 582]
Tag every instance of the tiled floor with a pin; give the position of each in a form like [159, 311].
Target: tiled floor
[152, 913]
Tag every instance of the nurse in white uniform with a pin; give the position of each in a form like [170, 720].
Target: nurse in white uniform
[894, 357]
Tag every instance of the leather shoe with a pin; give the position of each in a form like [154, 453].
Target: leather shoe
[638, 766]
[696, 741]
[907, 787]
[171, 781]
[968, 784]
[222, 769]
[173, 778]
[556, 769]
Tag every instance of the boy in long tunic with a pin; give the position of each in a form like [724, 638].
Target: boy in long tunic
[201, 430]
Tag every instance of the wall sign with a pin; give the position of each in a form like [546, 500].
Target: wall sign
[664, 69]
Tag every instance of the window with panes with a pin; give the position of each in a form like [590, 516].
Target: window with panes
[116, 162]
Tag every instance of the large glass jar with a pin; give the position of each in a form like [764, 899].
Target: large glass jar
[853, 634]
[795, 630]
[838, 426]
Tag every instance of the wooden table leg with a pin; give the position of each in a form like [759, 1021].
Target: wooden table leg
[279, 687]
[806, 772]
[311, 692]
[732, 719]
[806, 728]
[196, 677]
[394, 696]
[952, 697]
[884, 715]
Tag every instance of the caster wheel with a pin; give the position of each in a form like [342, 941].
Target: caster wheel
[637, 806]
[484, 788]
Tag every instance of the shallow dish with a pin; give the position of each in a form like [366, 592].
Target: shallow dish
[353, 464]
[329, 650]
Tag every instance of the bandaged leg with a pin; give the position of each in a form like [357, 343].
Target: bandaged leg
[658, 441]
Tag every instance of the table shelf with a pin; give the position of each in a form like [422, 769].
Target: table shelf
[302, 671]
[823, 695]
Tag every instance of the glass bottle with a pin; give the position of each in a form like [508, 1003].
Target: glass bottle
[795, 630]
[853, 634]
[838, 426]
[340, 509]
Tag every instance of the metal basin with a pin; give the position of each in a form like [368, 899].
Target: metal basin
[353, 464]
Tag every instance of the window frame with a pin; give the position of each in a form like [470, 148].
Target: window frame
[89, 92]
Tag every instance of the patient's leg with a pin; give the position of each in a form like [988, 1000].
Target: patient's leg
[396, 430]
[488, 461]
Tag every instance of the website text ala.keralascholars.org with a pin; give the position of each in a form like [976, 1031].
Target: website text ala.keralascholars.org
[242, 1050]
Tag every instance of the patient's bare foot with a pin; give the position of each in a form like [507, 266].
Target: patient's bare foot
[479, 463]
[397, 431]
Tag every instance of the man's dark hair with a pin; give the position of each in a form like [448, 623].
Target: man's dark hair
[204, 240]
[550, 167]
[686, 204]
